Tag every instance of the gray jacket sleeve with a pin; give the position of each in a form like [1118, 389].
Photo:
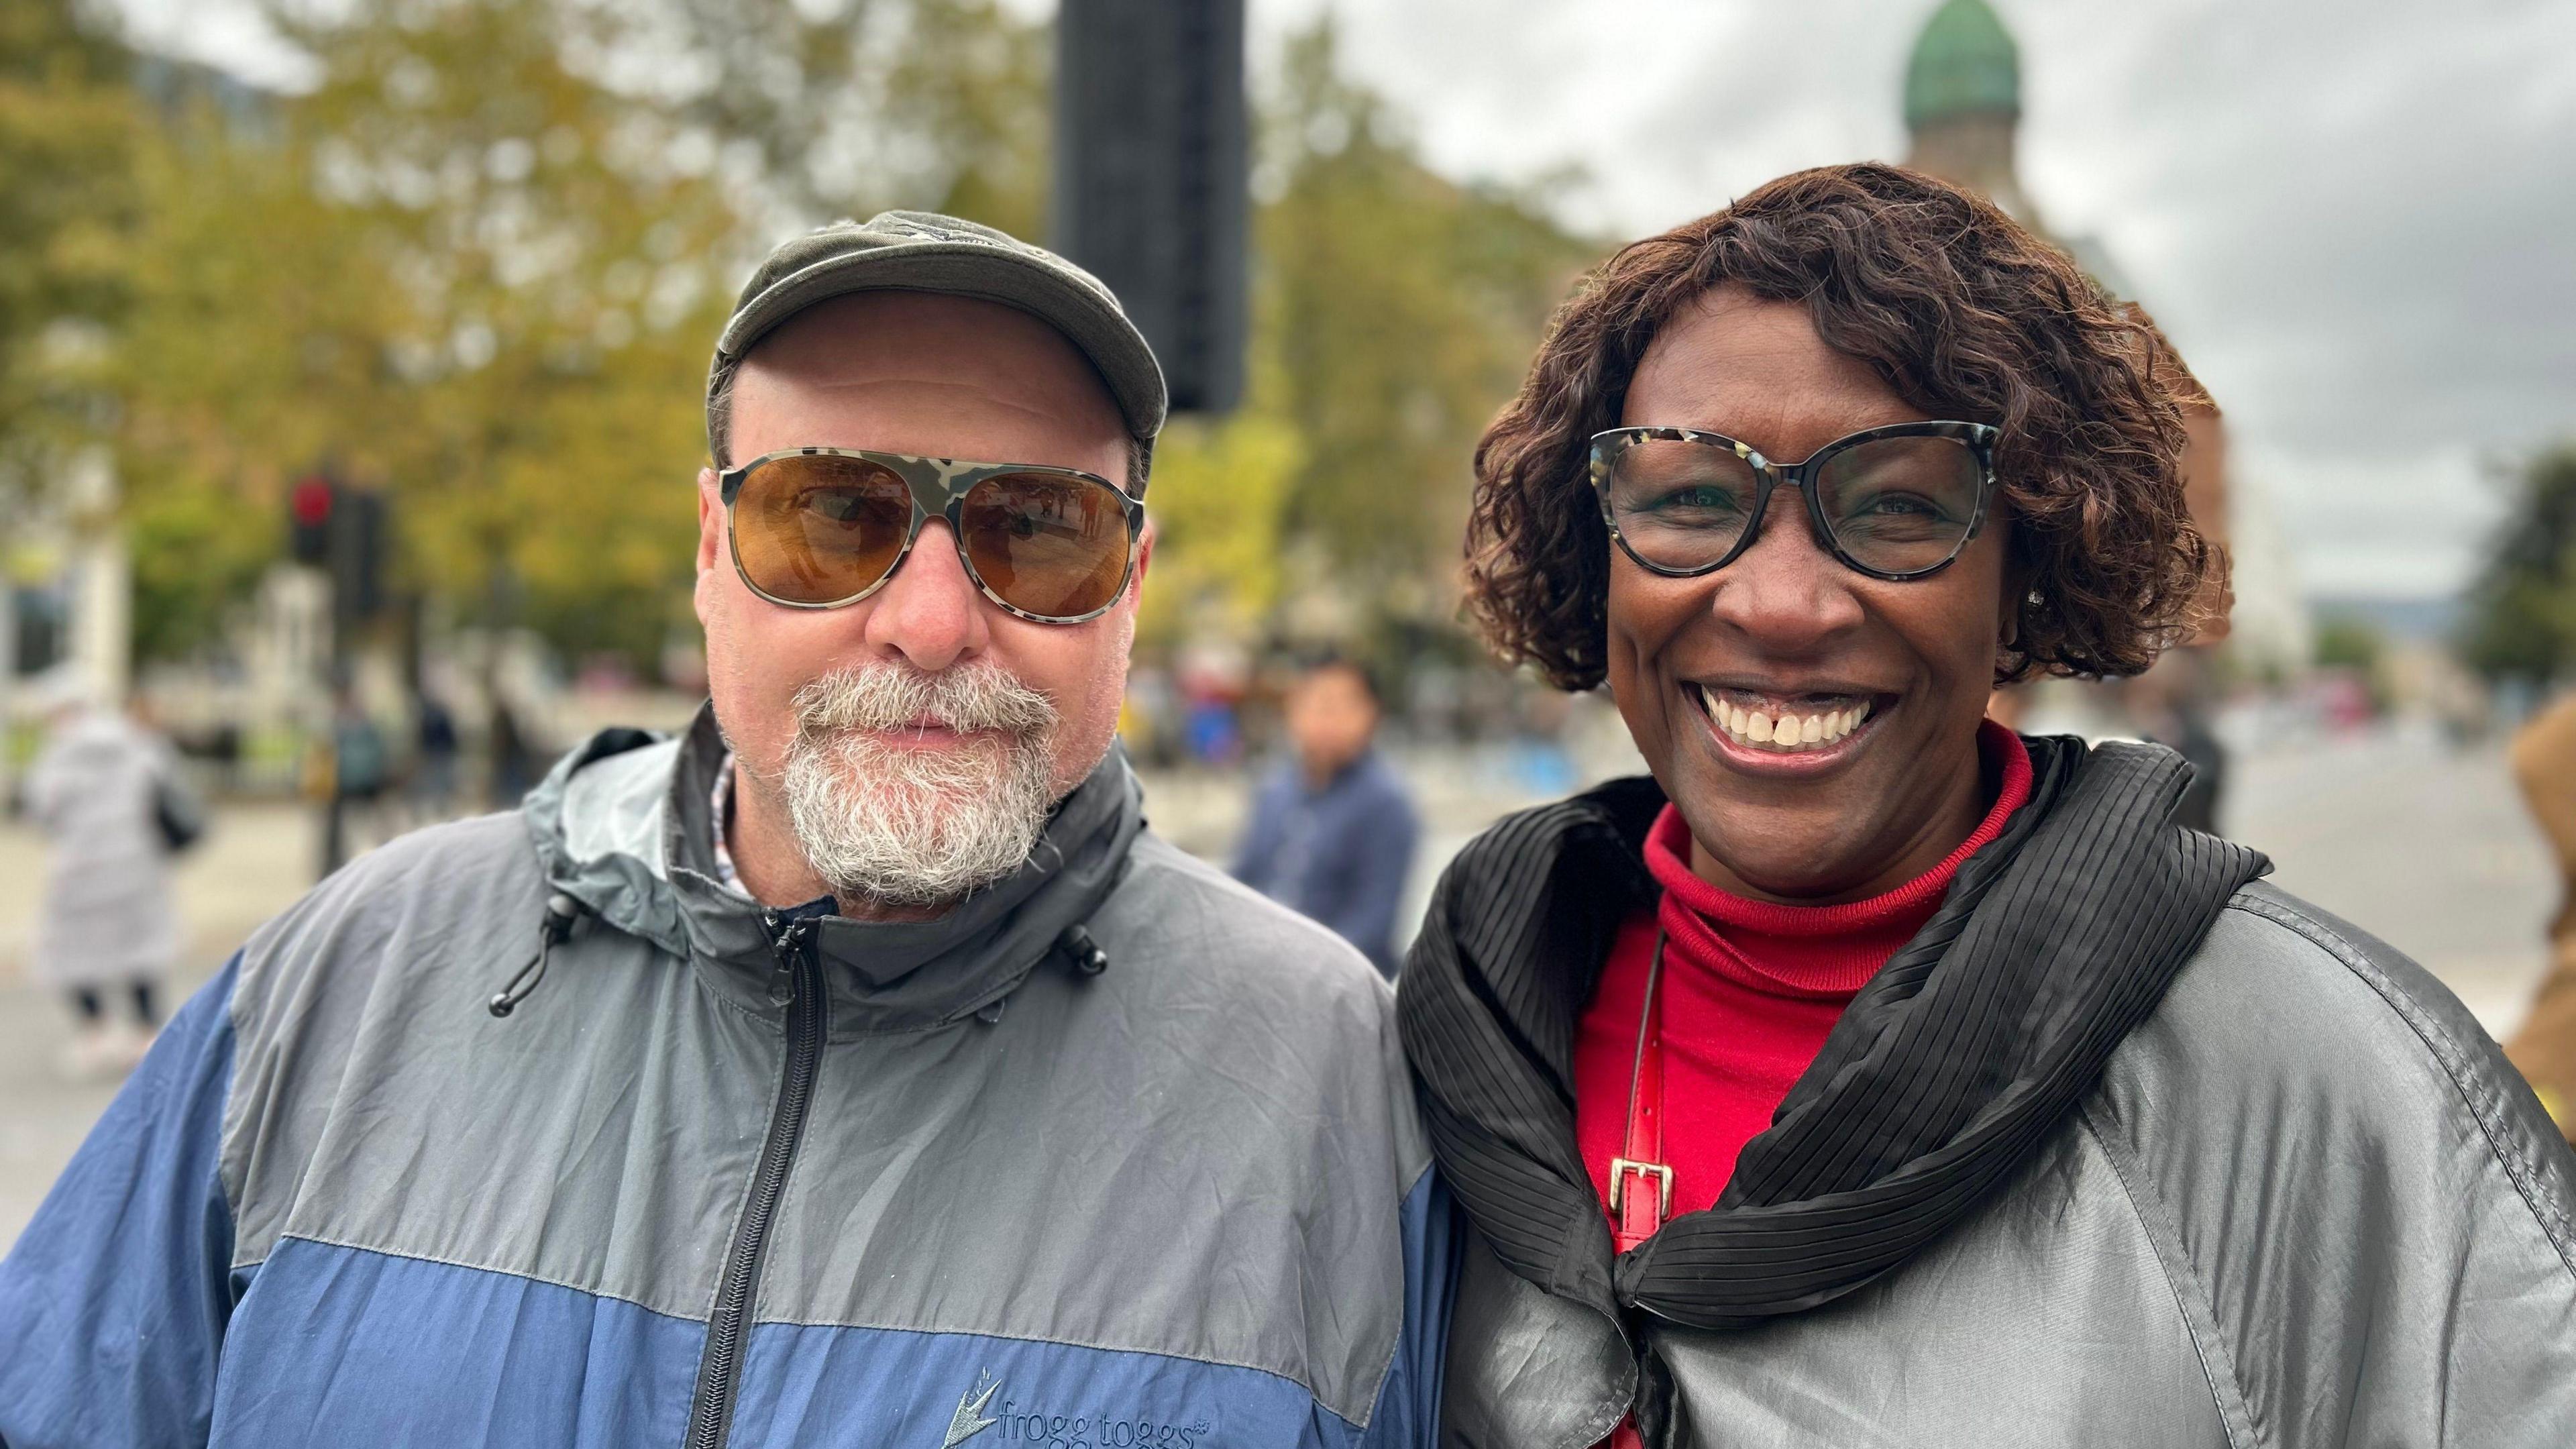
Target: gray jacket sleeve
[2379, 1245]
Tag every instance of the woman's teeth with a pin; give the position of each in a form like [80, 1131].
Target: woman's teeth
[1788, 731]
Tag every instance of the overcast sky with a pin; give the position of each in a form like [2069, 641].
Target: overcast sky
[2353, 216]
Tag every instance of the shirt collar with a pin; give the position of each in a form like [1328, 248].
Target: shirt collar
[720, 815]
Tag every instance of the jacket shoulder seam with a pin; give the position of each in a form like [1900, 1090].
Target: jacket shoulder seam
[2446, 1052]
[595, 1291]
[466, 1264]
[1054, 1341]
[2218, 1363]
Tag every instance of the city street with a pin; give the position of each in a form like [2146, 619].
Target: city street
[2425, 847]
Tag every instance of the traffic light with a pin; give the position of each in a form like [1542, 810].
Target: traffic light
[309, 505]
[1150, 174]
[332, 526]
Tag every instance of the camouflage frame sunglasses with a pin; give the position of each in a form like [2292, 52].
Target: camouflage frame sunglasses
[823, 528]
[1899, 502]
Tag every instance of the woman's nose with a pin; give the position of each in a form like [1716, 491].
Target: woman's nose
[1786, 590]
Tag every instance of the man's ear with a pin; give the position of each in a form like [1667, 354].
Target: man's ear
[711, 520]
[712, 552]
[1144, 550]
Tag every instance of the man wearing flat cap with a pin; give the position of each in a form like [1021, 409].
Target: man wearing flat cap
[855, 1068]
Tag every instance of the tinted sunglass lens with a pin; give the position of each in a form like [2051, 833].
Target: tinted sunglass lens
[1045, 544]
[1901, 505]
[1681, 505]
[817, 529]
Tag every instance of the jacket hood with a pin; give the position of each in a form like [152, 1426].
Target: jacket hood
[623, 826]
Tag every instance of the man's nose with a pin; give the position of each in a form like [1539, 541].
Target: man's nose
[1786, 593]
[930, 613]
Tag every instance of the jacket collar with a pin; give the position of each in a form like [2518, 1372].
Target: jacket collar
[623, 826]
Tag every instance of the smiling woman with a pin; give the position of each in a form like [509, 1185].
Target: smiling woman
[1872, 1074]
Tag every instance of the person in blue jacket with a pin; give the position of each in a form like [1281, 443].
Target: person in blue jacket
[1333, 831]
[852, 1068]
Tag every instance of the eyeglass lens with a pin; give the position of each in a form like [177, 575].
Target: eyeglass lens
[1044, 543]
[815, 529]
[1894, 505]
[818, 529]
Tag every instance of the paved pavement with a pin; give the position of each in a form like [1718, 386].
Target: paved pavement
[2426, 847]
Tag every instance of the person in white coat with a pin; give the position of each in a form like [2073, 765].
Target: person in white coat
[107, 925]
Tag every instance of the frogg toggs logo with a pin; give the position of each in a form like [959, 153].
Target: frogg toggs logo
[978, 1410]
[969, 1419]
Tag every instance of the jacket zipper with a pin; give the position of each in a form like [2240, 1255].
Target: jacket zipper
[720, 1368]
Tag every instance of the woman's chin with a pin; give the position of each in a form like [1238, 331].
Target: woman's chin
[1796, 881]
[1770, 851]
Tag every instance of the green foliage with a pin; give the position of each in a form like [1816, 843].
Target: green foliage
[459, 271]
[67, 126]
[2521, 616]
[831, 108]
[194, 553]
[1218, 497]
[1402, 309]
[2348, 642]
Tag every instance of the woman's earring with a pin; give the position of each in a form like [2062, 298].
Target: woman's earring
[2012, 620]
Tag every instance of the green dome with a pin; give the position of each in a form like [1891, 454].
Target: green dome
[1964, 64]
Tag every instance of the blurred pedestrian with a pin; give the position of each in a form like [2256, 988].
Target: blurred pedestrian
[513, 760]
[434, 757]
[2170, 704]
[224, 753]
[1867, 1072]
[1333, 830]
[863, 1071]
[360, 763]
[2544, 764]
[106, 794]
[360, 768]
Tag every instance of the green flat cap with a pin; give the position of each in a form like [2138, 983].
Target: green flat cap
[921, 251]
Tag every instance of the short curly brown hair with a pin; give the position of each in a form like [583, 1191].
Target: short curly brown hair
[1967, 316]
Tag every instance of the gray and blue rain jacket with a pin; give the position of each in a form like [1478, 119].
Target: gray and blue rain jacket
[740, 1176]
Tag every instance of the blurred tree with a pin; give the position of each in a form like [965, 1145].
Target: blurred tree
[831, 108]
[558, 258]
[2348, 641]
[67, 130]
[2521, 616]
[248, 357]
[463, 271]
[1219, 494]
[1403, 310]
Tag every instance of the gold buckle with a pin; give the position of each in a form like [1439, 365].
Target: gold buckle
[1620, 1167]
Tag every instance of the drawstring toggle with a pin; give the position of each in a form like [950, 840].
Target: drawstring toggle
[561, 912]
[1082, 951]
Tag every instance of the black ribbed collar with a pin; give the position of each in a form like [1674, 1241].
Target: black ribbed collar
[1943, 1075]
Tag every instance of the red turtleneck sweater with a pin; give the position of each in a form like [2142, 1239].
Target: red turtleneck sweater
[1750, 991]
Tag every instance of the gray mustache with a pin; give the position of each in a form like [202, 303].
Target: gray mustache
[968, 698]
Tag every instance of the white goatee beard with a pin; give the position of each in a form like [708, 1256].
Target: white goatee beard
[918, 827]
